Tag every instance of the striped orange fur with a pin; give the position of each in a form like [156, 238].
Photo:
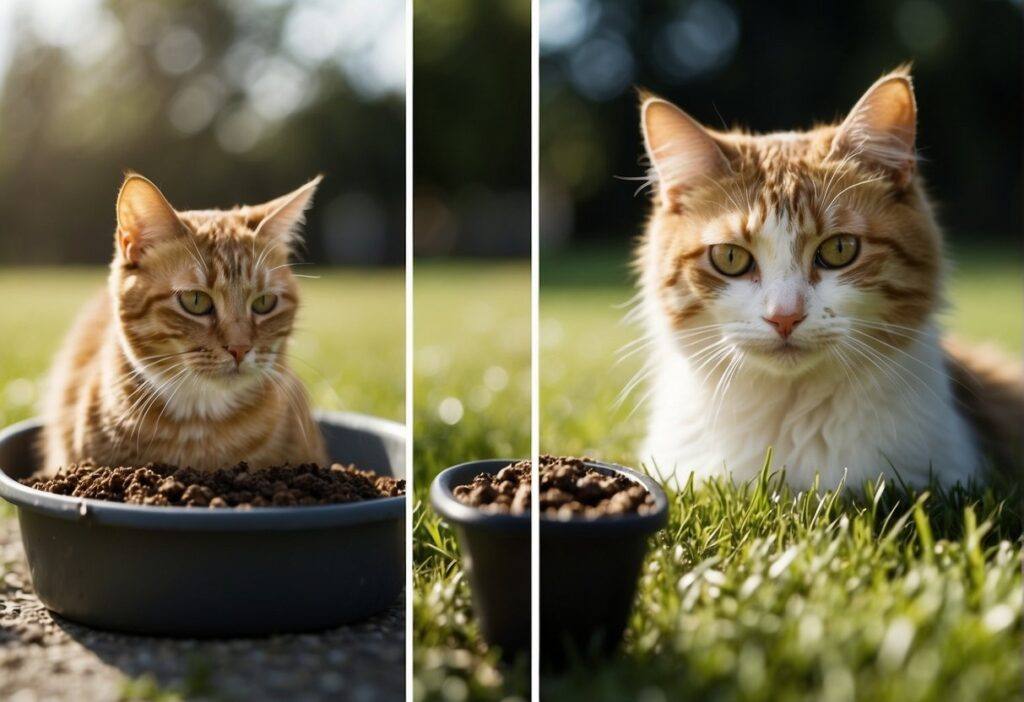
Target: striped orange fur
[141, 378]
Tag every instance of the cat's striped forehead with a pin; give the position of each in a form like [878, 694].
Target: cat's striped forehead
[783, 186]
[219, 225]
[781, 175]
[223, 246]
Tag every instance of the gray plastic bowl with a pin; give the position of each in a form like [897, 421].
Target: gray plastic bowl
[495, 555]
[589, 570]
[191, 572]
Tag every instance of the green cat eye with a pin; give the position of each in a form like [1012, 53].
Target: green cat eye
[264, 303]
[837, 251]
[196, 302]
[731, 260]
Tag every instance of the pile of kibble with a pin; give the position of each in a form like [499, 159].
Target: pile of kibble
[569, 489]
[505, 492]
[239, 486]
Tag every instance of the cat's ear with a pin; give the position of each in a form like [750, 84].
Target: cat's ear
[144, 217]
[682, 152]
[285, 215]
[882, 126]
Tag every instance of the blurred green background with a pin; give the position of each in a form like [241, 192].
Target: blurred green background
[220, 102]
[471, 128]
[337, 373]
[776, 66]
[471, 385]
[471, 390]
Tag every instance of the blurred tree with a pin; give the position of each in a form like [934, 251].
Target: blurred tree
[471, 126]
[769, 66]
[219, 102]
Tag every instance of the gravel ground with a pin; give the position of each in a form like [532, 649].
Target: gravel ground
[45, 657]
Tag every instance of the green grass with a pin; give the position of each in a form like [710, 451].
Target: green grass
[755, 593]
[196, 685]
[472, 345]
[349, 343]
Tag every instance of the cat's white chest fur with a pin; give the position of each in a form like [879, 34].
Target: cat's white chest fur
[862, 421]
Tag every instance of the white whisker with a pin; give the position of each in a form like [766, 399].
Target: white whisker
[167, 403]
[828, 208]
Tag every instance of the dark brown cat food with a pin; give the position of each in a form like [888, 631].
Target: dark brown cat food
[163, 485]
[505, 492]
[568, 489]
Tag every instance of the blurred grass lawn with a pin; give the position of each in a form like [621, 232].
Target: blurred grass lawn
[758, 594]
[348, 345]
[472, 400]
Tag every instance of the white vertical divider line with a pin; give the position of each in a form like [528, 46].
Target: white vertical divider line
[535, 349]
[409, 494]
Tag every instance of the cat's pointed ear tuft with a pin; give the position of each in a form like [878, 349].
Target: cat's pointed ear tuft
[643, 94]
[682, 152]
[286, 214]
[144, 217]
[882, 127]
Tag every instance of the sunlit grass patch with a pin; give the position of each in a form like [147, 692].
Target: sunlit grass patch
[348, 346]
[472, 401]
[757, 592]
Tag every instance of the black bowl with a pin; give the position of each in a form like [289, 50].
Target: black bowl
[181, 571]
[495, 555]
[588, 575]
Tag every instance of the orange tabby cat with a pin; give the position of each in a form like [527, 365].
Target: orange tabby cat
[181, 360]
[791, 286]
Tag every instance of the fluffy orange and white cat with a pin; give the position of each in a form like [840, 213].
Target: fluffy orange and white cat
[181, 360]
[790, 284]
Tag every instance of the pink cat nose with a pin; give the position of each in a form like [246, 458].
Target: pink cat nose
[785, 322]
[238, 352]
